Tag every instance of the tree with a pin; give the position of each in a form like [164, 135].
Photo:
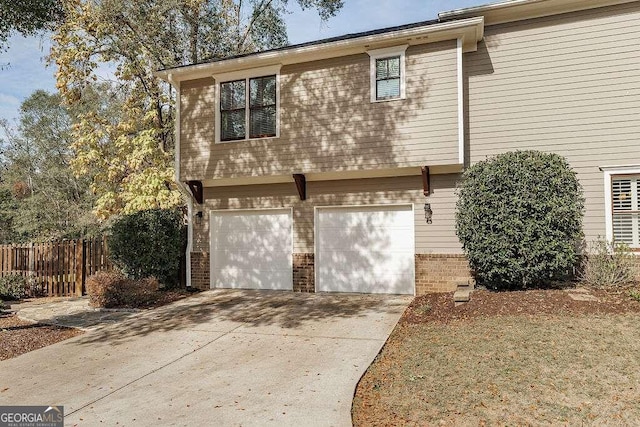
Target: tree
[519, 218]
[40, 198]
[132, 158]
[7, 213]
[27, 17]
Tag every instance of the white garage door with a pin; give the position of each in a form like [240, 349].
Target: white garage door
[365, 249]
[251, 249]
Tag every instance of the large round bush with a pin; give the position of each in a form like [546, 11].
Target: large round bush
[519, 218]
[148, 243]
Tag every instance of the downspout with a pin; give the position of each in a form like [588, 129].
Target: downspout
[184, 189]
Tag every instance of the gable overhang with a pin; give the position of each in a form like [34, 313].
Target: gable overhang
[469, 30]
[520, 10]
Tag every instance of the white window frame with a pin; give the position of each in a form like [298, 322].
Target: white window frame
[387, 52]
[609, 173]
[245, 75]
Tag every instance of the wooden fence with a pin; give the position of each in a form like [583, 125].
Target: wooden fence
[56, 268]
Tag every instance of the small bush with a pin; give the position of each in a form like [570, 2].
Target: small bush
[110, 289]
[519, 218]
[13, 287]
[608, 264]
[148, 243]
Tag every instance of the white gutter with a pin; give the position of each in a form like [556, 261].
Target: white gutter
[184, 189]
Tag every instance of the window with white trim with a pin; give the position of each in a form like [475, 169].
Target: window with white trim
[387, 73]
[258, 109]
[388, 78]
[625, 191]
[247, 104]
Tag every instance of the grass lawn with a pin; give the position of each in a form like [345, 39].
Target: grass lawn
[521, 358]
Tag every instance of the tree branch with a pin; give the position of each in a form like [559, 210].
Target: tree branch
[257, 13]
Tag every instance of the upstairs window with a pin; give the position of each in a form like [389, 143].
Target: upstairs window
[233, 110]
[247, 105]
[387, 73]
[626, 225]
[262, 107]
[388, 78]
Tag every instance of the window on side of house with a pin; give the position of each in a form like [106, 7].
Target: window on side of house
[262, 107]
[248, 108]
[233, 110]
[387, 73]
[388, 78]
[625, 191]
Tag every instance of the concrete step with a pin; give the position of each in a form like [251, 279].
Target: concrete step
[463, 293]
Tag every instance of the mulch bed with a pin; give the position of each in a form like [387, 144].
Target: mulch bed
[440, 307]
[535, 357]
[18, 336]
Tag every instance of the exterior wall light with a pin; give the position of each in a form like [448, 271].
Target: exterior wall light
[428, 213]
[199, 217]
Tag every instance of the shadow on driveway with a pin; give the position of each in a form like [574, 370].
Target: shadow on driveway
[225, 308]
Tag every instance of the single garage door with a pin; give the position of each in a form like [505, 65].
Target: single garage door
[365, 249]
[251, 249]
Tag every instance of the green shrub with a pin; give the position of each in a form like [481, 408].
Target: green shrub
[519, 218]
[148, 243]
[13, 287]
[111, 289]
[608, 264]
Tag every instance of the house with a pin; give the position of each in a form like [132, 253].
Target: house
[331, 166]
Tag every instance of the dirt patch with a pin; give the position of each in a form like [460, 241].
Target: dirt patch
[513, 358]
[18, 336]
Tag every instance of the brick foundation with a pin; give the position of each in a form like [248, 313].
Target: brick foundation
[200, 270]
[440, 272]
[434, 272]
[303, 272]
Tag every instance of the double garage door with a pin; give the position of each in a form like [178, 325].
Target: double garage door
[358, 249]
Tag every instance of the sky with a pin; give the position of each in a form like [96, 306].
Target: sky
[23, 67]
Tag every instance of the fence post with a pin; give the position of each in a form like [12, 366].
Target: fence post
[10, 258]
[84, 264]
[79, 261]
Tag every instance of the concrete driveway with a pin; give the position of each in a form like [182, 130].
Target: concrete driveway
[224, 357]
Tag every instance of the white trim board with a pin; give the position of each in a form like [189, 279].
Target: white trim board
[460, 76]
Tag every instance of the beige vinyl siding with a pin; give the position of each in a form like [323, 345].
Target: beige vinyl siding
[327, 122]
[438, 237]
[197, 119]
[567, 84]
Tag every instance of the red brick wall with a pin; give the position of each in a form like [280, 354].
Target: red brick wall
[440, 272]
[200, 271]
[303, 272]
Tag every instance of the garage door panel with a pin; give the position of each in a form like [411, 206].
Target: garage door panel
[251, 249]
[241, 278]
[366, 249]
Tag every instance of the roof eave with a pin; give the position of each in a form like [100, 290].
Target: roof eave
[519, 10]
[471, 30]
